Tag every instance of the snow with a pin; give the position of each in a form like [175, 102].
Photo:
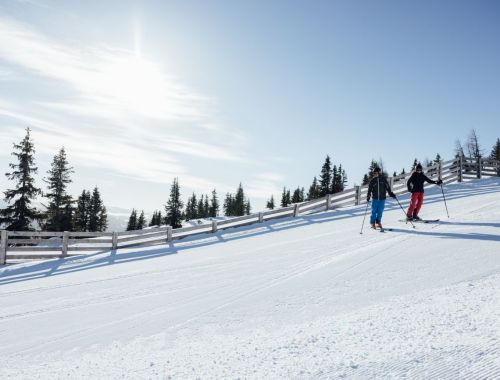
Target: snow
[305, 297]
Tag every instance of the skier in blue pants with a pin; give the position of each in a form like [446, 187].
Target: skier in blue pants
[377, 190]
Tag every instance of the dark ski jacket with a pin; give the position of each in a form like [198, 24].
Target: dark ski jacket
[378, 188]
[416, 182]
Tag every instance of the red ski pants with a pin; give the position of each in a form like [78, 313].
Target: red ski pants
[417, 199]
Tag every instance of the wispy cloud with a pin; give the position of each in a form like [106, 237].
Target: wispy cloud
[108, 104]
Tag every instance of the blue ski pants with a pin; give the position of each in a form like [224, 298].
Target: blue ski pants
[377, 210]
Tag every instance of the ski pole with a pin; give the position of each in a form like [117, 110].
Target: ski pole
[366, 210]
[444, 198]
[397, 200]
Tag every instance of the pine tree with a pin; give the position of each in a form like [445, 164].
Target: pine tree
[325, 178]
[285, 198]
[156, 219]
[495, 155]
[103, 219]
[338, 179]
[228, 205]
[367, 177]
[459, 150]
[191, 208]
[239, 201]
[270, 203]
[302, 195]
[248, 207]
[141, 222]
[81, 216]
[174, 206]
[20, 215]
[132, 221]
[495, 152]
[343, 178]
[206, 207]
[58, 214]
[98, 218]
[475, 151]
[296, 195]
[438, 159]
[214, 205]
[200, 208]
[366, 180]
[414, 165]
[313, 190]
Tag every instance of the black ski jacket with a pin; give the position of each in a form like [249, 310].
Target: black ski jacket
[378, 188]
[416, 182]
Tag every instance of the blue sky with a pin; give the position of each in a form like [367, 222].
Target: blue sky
[258, 92]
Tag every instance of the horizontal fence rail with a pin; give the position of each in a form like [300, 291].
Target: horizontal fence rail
[26, 245]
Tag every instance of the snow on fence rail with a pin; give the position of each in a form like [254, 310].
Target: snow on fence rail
[46, 245]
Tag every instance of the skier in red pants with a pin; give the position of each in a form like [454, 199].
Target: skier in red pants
[416, 188]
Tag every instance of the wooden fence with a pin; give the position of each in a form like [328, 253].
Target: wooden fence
[24, 245]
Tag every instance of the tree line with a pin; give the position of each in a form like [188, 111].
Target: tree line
[62, 212]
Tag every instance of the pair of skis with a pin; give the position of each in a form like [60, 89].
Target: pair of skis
[425, 221]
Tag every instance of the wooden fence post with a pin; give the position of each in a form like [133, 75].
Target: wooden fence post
[114, 240]
[328, 201]
[169, 234]
[296, 210]
[460, 168]
[261, 217]
[65, 243]
[3, 246]
[479, 167]
[214, 226]
[357, 199]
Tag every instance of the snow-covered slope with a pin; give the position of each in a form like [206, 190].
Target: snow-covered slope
[296, 298]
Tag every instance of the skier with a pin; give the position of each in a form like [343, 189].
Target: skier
[415, 186]
[377, 189]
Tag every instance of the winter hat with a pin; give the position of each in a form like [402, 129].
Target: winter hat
[419, 167]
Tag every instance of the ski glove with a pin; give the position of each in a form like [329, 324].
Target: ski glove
[439, 182]
[368, 199]
[392, 195]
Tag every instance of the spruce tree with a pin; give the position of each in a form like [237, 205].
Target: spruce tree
[239, 201]
[313, 190]
[206, 207]
[214, 205]
[302, 195]
[141, 221]
[191, 208]
[438, 159]
[296, 196]
[132, 221]
[270, 203]
[20, 215]
[81, 215]
[248, 207]
[495, 155]
[174, 206]
[58, 214]
[200, 208]
[98, 218]
[228, 205]
[284, 198]
[414, 165]
[156, 219]
[325, 178]
[367, 177]
[495, 152]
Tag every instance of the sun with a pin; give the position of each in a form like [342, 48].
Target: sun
[136, 84]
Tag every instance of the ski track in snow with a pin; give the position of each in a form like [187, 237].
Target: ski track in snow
[312, 299]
